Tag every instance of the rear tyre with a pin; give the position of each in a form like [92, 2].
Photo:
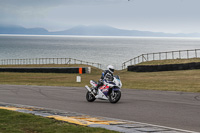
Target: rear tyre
[115, 97]
[90, 97]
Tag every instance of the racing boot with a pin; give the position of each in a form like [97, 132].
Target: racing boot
[96, 88]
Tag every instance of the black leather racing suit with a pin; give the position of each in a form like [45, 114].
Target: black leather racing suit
[106, 75]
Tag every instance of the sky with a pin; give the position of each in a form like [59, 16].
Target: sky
[169, 16]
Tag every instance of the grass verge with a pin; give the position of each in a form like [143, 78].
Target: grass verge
[15, 122]
[186, 80]
[170, 61]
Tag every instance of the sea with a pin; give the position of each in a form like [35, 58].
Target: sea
[98, 49]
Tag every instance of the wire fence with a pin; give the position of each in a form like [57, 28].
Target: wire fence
[180, 54]
[39, 61]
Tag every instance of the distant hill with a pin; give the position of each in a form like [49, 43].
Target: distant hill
[14, 29]
[106, 31]
[82, 30]
[95, 31]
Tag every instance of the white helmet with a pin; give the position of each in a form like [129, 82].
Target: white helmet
[110, 68]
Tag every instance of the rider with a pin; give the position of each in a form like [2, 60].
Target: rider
[107, 75]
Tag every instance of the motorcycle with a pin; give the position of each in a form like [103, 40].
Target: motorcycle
[109, 91]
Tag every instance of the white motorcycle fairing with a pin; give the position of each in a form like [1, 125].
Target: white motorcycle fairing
[100, 95]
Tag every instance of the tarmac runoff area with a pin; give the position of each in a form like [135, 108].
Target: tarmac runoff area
[123, 126]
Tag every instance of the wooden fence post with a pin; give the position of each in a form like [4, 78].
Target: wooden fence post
[142, 58]
[195, 53]
[159, 56]
[138, 59]
[134, 61]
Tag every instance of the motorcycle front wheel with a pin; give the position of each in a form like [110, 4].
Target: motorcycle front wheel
[115, 96]
[90, 97]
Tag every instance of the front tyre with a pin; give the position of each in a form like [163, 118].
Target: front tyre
[115, 96]
[90, 97]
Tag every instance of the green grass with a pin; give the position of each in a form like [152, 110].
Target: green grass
[186, 80]
[170, 61]
[48, 79]
[15, 122]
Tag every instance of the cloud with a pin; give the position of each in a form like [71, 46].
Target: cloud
[154, 15]
[53, 3]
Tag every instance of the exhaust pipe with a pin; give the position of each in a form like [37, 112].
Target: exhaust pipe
[88, 88]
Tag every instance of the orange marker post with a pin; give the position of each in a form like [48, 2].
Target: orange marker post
[80, 70]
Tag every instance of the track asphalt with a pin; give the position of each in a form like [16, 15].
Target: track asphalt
[179, 110]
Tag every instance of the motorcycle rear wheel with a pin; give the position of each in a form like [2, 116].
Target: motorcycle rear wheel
[90, 97]
[114, 98]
